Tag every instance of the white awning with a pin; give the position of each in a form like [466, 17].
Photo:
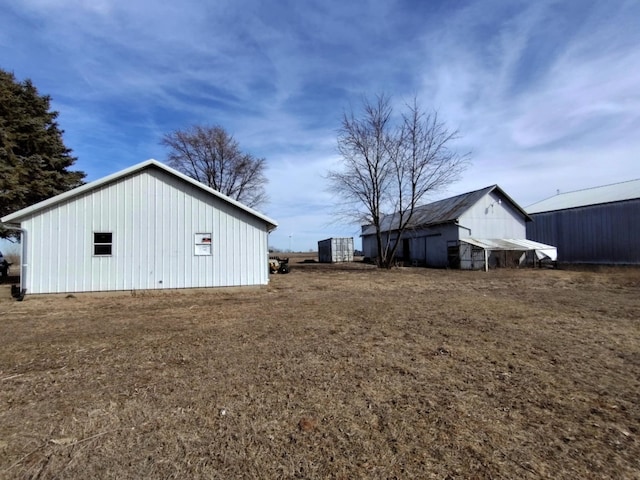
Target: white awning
[541, 250]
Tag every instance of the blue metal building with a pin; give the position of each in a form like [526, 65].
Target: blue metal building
[598, 225]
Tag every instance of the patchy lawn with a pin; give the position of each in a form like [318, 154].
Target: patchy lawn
[332, 371]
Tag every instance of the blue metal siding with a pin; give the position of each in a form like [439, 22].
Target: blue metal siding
[607, 234]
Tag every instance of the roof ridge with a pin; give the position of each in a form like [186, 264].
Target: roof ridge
[445, 210]
[459, 195]
[134, 169]
[581, 190]
[597, 186]
[601, 194]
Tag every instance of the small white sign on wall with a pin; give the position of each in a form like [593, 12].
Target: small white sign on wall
[202, 244]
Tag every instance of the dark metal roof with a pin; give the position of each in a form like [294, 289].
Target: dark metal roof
[442, 211]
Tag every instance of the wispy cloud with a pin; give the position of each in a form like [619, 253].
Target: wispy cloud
[544, 88]
[545, 94]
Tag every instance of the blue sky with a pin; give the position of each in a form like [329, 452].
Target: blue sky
[545, 94]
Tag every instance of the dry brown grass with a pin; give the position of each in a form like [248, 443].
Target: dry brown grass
[332, 371]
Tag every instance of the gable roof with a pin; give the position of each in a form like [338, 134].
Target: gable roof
[443, 211]
[16, 217]
[616, 192]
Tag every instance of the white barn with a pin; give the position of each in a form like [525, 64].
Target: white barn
[145, 227]
[476, 230]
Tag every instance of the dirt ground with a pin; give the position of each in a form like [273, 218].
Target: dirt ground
[332, 371]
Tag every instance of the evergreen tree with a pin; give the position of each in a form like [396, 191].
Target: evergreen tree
[34, 161]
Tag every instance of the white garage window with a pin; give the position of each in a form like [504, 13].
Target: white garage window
[202, 244]
[102, 243]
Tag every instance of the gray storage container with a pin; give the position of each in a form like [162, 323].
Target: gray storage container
[333, 250]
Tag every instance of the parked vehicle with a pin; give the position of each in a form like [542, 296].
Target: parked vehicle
[278, 265]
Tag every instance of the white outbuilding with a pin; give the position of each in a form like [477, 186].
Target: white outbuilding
[476, 230]
[145, 227]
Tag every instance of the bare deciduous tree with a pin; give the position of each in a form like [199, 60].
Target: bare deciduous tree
[212, 156]
[389, 168]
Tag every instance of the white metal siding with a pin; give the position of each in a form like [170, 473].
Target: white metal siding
[153, 217]
[492, 217]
